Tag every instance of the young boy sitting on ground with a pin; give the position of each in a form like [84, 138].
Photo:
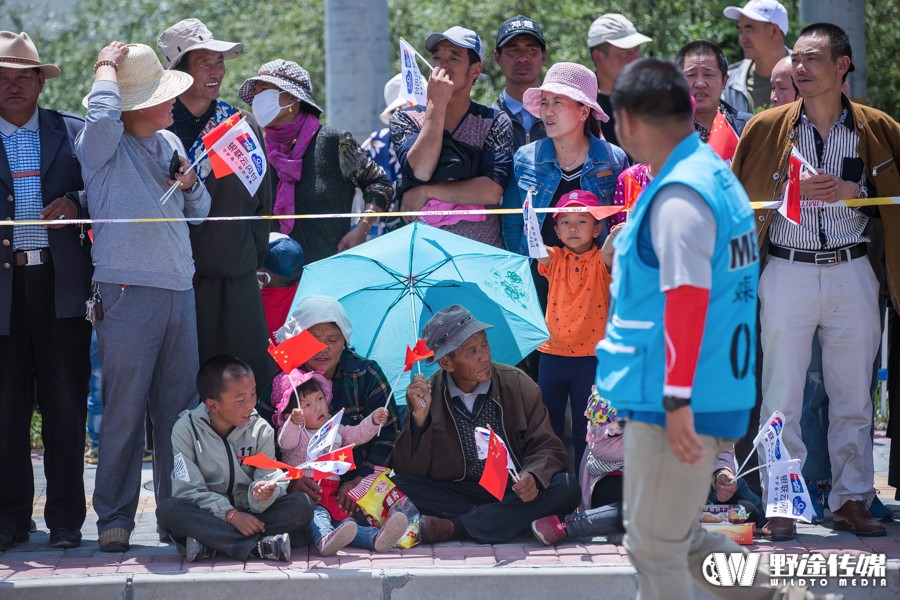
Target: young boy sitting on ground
[217, 503]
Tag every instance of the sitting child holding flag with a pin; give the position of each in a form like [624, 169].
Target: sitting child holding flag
[305, 431]
[219, 504]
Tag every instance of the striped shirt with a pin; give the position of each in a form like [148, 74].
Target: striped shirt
[825, 228]
[23, 151]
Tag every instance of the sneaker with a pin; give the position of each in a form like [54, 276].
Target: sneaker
[115, 539]
[147, 457]
[337, 538]
[92, 456]
[880, 511]
[817, 496]
[274, 547]
[549, 530]
[391, 532]
[194, 550]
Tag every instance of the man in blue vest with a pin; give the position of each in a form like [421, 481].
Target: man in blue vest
[678, 354]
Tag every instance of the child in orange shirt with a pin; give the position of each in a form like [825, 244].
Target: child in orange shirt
[577, 309]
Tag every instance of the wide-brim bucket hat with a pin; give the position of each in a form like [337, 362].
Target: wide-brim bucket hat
[192, 34]
[17, 51]
[143, 82]
[288, 76]
[570, 80]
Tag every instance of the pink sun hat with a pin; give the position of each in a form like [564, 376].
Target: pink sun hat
[571, 80]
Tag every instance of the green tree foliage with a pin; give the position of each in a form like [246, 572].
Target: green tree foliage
[296, 31]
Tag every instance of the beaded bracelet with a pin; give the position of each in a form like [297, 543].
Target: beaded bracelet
[106, 63]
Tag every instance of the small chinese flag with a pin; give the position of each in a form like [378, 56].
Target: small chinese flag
[632, 191]
[296, 350]
[261, 461]
[601, 212]
[344, 454]
[790, 208]
[219, 166]
[414, 355]
[722, 138]
[495, 475]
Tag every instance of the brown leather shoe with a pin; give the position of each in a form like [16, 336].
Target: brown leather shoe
[436, 529]
[779, 529]
[854, 516]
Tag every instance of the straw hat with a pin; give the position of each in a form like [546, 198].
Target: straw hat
[143, 82]
[17, 51]
[567, 79]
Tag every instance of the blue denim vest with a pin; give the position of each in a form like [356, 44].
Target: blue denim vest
[631, 358]
[535, 166]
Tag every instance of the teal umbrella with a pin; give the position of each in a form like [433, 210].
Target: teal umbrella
[392, 285]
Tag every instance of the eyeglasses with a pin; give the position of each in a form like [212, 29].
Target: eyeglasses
[443, 337]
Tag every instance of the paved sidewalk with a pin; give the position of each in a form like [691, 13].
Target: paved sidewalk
[524, 568]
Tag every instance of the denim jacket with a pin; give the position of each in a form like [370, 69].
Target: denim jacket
[535, 167]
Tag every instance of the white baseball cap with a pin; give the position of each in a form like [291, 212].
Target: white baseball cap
[767, 11]
[615, 30]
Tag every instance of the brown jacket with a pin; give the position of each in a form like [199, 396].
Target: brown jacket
[527, 432]
[761, 163]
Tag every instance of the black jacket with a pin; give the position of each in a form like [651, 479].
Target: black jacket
[60, 174]
[521, 137]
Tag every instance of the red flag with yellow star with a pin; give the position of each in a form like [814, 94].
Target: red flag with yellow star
[261, 461]
[296, 350]
[414, 355]
[722, 138]
[632, 191]
[495, 476]
[219, 166]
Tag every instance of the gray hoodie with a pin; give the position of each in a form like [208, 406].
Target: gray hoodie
[124, 178]
[207, 471]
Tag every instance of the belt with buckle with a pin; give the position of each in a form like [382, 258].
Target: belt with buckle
[828, 257]
[30, 258]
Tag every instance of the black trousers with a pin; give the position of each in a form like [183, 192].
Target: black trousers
[183, 519]
[486, 520]
[47, 360]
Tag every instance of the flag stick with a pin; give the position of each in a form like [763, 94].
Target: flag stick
[172, 189]
[422, 58]
[739, 475]
[515, 475]
[393, 387]
[749, 454]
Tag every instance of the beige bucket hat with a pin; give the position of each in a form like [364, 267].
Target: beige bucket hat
[192, 34]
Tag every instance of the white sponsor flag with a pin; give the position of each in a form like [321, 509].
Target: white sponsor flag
[240, 153]
[770, 437]
[337, 467]
[482, 438]
[324, 438]
[536, 247]
[787, 495]
[413, 88]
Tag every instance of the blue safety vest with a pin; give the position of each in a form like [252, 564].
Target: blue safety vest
[632, 358]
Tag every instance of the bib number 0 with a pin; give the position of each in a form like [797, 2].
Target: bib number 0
[740, 351]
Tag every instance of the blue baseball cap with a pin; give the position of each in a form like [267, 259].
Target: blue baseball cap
[459, 36]
[285, 256]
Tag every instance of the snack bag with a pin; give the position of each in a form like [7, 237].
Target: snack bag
[377, 496]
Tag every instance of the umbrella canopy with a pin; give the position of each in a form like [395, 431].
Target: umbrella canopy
[392, 285]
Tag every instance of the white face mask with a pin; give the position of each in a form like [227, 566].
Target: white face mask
[266, 106]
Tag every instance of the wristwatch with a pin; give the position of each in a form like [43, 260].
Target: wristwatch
[671, 403]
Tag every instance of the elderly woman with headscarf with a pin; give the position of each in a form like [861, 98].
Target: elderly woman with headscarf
[358, 385]
[318, 168]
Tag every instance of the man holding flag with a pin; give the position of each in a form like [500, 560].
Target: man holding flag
[230, 316]
[816, 277]
[463, 491]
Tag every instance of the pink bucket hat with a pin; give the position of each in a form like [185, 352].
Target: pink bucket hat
[283, 390]
[571, 80]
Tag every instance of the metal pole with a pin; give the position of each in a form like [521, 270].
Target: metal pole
[851, 16]
[357, 64]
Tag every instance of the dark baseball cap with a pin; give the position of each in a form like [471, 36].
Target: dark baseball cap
[520, 25]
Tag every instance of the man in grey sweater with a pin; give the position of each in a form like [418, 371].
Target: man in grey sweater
[146, 324]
